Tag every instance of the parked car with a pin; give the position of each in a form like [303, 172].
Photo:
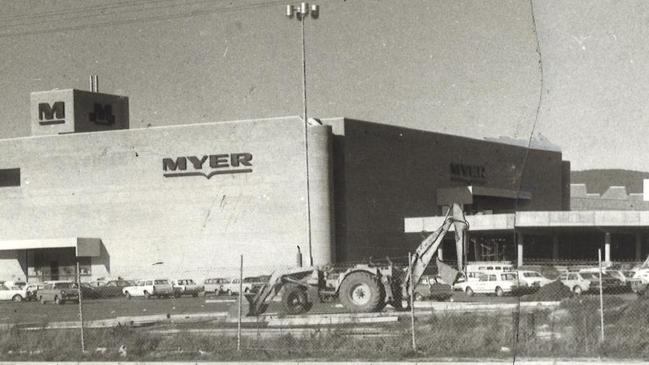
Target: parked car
[149, 288]
[499, 283]
[112, 288]
[609, 283]
[533, 279]
[232, 286]
[575, 282]
[612, 280]
[88, 291]
[59, 292]
[430, 287]
[215, 285]
[490, 267]
[13, 293]
[186, 287]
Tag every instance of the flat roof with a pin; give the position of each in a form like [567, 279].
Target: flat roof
[537, 219]
[84, 247]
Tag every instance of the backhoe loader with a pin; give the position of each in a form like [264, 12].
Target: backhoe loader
[363, 287]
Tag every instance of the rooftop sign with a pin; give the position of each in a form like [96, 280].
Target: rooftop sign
[71, 111]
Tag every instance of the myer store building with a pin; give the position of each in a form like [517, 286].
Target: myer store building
[189, 200]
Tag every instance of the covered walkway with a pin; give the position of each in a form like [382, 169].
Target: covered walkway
[555, 236]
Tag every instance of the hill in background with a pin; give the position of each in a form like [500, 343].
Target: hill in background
[597, 181]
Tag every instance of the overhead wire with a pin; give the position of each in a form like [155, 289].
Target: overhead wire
[186, 14]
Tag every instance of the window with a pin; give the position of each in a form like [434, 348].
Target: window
[9, 177]
[492, 278]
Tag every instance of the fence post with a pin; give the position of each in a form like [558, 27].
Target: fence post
[83, 345]
[601, 295]
[240, 304]
[412, 302]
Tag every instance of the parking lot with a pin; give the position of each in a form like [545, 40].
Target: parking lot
[36, 313]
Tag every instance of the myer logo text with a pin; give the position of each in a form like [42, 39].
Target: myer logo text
[207, 165]
[102, 114]
[468, 173]
[51, 114]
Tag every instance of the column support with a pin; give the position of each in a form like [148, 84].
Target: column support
[555, 247]
[519, 249]
[607, 247]
[638, 246]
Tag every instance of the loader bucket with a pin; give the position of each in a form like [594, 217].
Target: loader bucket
[247, 307]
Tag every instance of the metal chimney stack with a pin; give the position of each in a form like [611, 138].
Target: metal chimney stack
[94, 83]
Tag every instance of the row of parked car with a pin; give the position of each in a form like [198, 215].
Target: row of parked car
[61, 291]
[505, 280]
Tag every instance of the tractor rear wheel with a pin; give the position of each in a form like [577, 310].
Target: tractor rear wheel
[361, 292]
[295, 299]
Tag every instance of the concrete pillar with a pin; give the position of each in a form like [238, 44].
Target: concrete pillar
[320, 202]
[519, 249]
[638, 246]
[555, 247]
[607, 247]
[440, 253]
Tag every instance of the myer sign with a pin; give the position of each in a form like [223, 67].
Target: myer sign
[207, 165]
[468, 173]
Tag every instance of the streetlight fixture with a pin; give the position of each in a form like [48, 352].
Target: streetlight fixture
[301, 12]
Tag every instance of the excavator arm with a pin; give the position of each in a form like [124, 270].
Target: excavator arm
[427, 248]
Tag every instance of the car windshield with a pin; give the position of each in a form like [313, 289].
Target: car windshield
[160, 282]
[531, 275]
[509, 276]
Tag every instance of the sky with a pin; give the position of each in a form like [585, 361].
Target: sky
[570, 73]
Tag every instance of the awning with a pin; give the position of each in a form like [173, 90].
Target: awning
[84, 247]
[594, 219]
[465, 194]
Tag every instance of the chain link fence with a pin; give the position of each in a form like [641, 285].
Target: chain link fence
[204, 323]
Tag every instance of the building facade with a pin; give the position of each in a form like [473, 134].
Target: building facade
[190, 200]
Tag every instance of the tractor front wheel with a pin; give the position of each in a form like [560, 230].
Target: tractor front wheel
[295, 299]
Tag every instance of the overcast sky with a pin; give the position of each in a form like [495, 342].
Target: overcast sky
[463, 67]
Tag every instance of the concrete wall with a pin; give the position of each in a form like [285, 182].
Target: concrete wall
[111, 185]
[385, 173]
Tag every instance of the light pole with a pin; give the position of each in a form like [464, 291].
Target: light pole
[301, 12]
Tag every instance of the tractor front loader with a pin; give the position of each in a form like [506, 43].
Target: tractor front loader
[361, 288]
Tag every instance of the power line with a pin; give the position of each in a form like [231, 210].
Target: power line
[190, 14]
[99, 8]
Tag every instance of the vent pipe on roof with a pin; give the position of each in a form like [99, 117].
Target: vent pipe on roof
[94, 83]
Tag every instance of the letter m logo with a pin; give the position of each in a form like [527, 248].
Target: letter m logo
[51, 114]
[103, 114]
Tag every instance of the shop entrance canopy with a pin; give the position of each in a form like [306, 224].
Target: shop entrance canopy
[84, 247]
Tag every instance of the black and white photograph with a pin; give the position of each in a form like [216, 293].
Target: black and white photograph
[348, 181]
